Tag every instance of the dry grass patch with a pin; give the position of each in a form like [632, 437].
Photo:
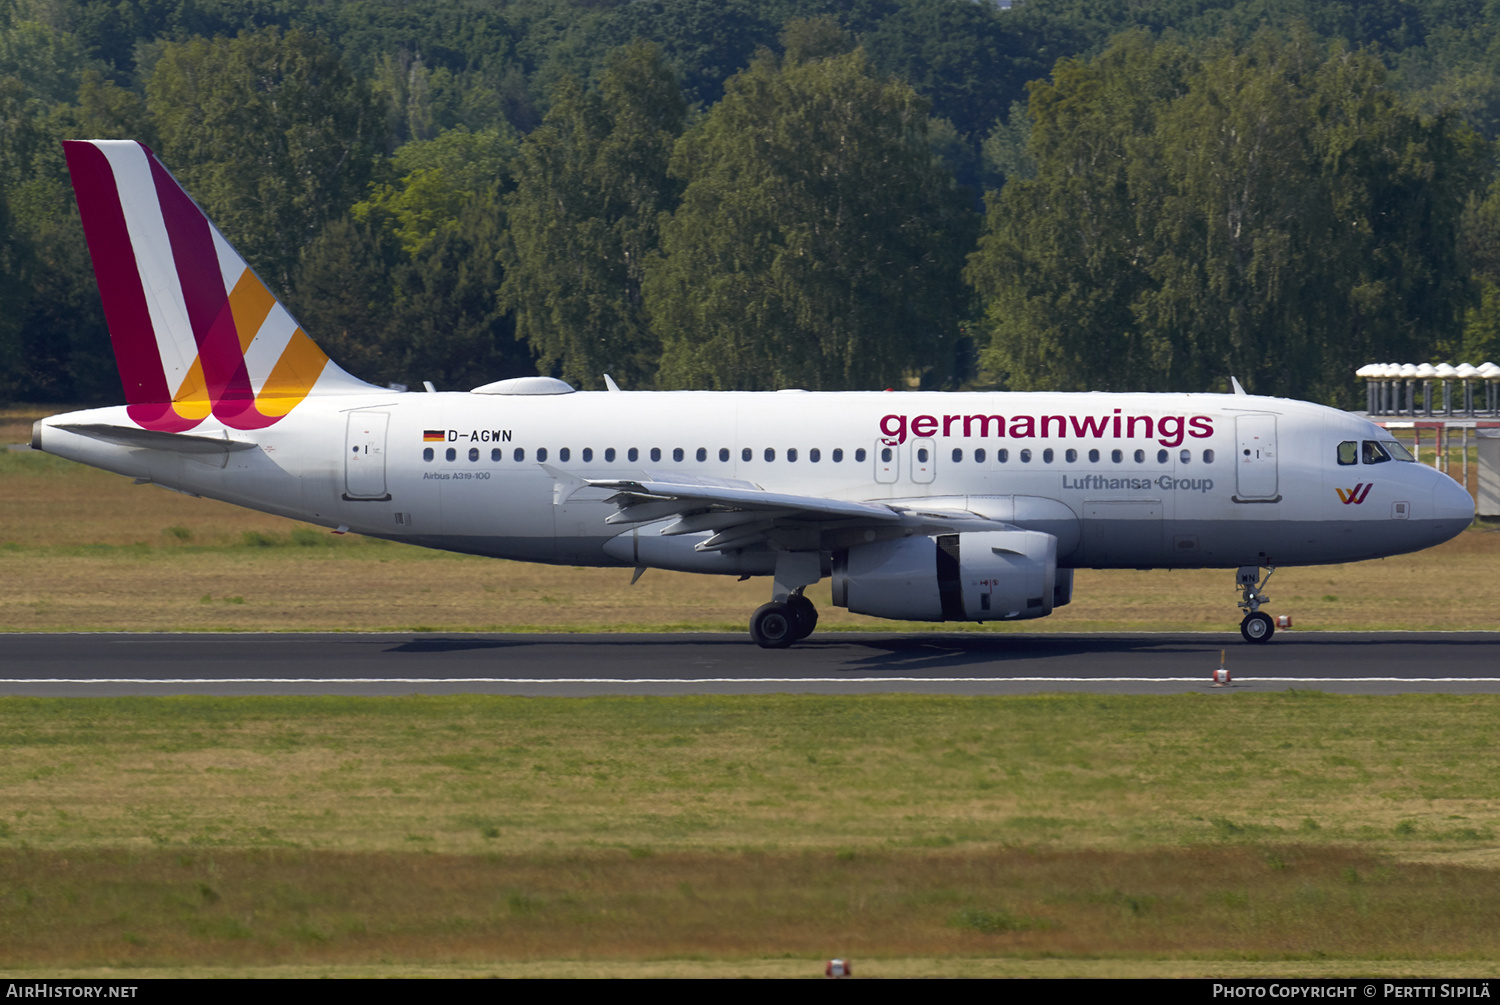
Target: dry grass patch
[87, 550]
[239, 908]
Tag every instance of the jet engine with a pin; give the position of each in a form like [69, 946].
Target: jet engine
[1003, 575]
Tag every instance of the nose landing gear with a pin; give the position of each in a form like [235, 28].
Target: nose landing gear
[1257, 626]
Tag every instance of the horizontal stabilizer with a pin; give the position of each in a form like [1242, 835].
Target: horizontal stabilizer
[155, 439]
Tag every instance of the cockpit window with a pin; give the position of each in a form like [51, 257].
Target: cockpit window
[1348, 452]
[1374, 452]
[1397, 451]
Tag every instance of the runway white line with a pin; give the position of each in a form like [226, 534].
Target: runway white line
[1202, 679]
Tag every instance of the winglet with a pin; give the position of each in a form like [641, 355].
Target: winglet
[609, 382]
[1234, 383]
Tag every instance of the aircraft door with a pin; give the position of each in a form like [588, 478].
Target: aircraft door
[364, 456]
[1255, 459]
[923, 461]
[887, 462]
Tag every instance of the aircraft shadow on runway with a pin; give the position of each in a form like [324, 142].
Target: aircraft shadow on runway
[866, 653]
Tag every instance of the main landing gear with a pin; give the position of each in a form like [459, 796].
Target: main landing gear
[789, 616]
[1257, 625]
[780, 623]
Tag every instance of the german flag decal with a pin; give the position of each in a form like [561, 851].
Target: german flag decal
[432, 436]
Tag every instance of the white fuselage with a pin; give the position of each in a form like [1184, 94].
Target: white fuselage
[1122, 480]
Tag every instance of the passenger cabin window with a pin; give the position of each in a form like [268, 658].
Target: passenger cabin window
[958, 454]
[427, 454]
[838, 455]
[565, 454]
[677, 453]
[633, 454]
[541, 453]
[473, 453]
[1026, 457]
[451, 454]
[859, 454]
[1071, 455]
[815, 455]
[656, 453]
[609, 455]
[723, 453]
[494, 453]
[1348, 452]
[979, 455]
[702, 454]
[746, 454]
[791, 453]
[1093, 457]
[588, 454]
[520, 453]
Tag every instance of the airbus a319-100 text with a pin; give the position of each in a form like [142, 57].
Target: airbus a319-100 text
[919, 506]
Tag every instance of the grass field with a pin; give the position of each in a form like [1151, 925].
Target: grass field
[1218, 834]
[1189, 834]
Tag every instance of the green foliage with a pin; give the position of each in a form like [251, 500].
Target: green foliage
[272, 134]
[431, 314]
[591, 186]
[1270, 211]
[1109, 261]
[47, 60]
[438, 177]
[818, 243]
[344, 296]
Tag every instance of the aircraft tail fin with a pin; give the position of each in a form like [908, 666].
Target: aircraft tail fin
[195, 330]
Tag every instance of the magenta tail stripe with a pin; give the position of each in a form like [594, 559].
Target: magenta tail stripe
[125, 310]
[203, 293]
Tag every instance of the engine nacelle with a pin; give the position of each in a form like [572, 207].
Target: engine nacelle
[1002, 575]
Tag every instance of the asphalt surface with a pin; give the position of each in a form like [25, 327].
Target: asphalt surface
[829, 663]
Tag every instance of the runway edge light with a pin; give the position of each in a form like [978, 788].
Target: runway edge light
[1221, 674]
[838, 968]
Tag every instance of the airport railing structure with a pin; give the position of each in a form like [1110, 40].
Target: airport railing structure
[1420, 397]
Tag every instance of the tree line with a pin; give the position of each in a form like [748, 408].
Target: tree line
[891, 193]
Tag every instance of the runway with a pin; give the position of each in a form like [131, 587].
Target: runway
[83, 664]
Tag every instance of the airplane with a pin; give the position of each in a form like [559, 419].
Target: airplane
[920, 506]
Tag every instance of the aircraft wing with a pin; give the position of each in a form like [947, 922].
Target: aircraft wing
[740, 514]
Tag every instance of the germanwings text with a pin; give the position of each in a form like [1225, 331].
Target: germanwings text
[1168, 430]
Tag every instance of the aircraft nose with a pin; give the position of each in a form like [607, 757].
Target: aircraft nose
[1452, 506]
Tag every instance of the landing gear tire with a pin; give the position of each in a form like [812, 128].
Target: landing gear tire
[1257, 627]
[804, 614]
[774, 625]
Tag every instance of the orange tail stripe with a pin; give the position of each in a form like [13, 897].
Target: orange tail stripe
[292, 377]
[250, 304]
